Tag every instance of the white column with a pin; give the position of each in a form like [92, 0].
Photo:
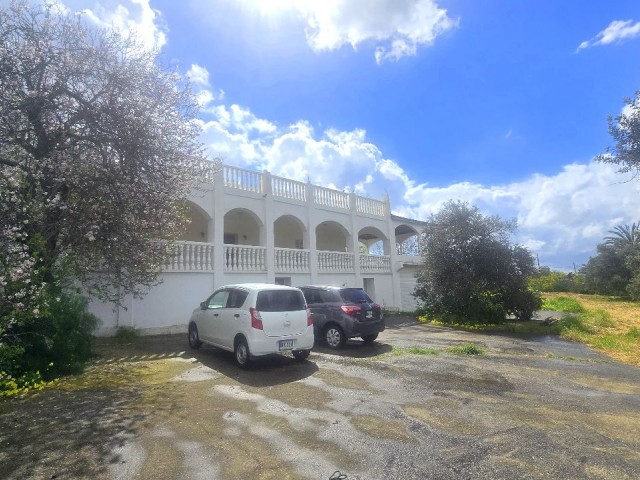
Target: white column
[355, 248]
[311, 229]
[268, 227]
[393, 254]
[217, 229]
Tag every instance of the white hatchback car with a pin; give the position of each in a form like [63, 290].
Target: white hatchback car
[254, 319]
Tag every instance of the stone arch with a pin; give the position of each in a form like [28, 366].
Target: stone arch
[243, 227]
[198, 227]
[290, 232]
[332, 236]
[407, 240]
[374, 241]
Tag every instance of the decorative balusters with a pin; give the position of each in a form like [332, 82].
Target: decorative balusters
[241, 179]
[291, 260]
[198, 257]
[370, 206]
[375, 263]
[289, 189]
[335, 262]
[244, 258]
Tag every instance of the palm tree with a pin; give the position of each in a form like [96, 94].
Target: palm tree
[624, 235]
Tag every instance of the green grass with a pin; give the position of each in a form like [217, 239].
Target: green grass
[609, 324]
[396, 352]
[563, 304]
[633, 332]
[466, 349]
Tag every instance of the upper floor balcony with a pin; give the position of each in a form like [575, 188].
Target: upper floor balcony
[265, 223]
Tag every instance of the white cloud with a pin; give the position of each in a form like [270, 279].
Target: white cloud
[126, 16]
[617, 31]
[397, 27]
[561, 217]
[198, 75]
[199, 78]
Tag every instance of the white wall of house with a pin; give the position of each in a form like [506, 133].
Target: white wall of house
[253, 227]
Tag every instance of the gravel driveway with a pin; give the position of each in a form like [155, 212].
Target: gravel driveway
[527, 408]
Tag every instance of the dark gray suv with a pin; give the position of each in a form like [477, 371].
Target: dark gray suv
[340, 313]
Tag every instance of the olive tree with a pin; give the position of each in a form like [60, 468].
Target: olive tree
[471, 270]
[98, 150]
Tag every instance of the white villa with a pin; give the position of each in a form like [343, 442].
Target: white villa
[248, 226]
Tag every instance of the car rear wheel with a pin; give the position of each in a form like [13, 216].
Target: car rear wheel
[334, 336]
[242, 353]
[301, 355]
[194, 337]
[369, 339]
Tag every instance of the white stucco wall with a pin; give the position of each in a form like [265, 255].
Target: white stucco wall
[253, 216]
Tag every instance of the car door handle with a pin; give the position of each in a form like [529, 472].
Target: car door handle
[237, 315]
[215, 314]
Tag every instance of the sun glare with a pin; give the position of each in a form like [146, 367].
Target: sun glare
[270, 7]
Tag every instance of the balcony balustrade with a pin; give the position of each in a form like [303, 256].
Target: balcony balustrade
[198, 257]
[284, 188]
[290, 260]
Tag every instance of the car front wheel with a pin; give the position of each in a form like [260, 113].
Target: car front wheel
[301, 355]
[242, 353]
[194, 338]
[334, 336]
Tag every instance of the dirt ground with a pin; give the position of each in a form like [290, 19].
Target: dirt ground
[526, 408]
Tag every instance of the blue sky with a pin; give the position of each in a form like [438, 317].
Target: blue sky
[502, 104]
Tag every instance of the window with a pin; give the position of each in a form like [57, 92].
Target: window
[280, 301]
[329, 296]
[218, 299]
[354, 295]
[236, 298]
[299, 244]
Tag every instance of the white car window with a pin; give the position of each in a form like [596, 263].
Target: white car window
[236, 298]
[218, 299]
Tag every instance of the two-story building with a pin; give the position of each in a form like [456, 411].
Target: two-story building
[248, 226]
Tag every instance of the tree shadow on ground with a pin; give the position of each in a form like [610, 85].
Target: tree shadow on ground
[71, 430]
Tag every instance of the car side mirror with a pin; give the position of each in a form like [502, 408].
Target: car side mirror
[203, 305]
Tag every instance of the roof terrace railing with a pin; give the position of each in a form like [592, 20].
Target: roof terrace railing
[262, 183]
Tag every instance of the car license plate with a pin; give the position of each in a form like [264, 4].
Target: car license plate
[369, 314]
[285, 345]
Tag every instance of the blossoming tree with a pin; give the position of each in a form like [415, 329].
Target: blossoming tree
[98, 150]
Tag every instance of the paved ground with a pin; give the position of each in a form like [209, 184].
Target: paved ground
[539, 408]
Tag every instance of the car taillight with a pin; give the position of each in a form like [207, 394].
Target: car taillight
[256, 319]
[350, 309]
[309, 318]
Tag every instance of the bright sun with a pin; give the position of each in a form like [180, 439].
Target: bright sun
[267, 7]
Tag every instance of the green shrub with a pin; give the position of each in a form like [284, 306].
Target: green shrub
[125, 334]
[466, 349]
[27, 382]
[38, 348]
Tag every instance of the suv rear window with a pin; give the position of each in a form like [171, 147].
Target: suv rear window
[280, 301]
[354, 295]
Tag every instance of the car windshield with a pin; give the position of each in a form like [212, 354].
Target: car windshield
[280, 301]
[354, 295]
